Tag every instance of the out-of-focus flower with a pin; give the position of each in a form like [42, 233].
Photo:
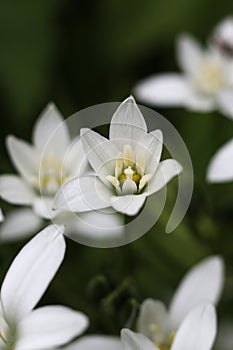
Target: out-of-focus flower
[127, 166]
[220, 168]
[205, 79]
[52, 159]
[202, 283]
[21, 327]
[96, 342]
[197, 331]
[222, 38]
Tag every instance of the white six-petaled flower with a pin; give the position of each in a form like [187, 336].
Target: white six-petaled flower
[204, 282]
[205, 84]
[21, 327]
[127, 166]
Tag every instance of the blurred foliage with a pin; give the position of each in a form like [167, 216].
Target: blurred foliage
[80, 53]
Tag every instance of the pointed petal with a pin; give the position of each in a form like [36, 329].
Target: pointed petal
[50, 132]
[83, 194]
[198, 330]
[31, 272]
[101, 153]
[168, 89]
[15, 190]
[203, 282]
[225, 103]
[96, 342]
[128, 124]
[166, 170]
[136, 341]
[24, 157]
[153, 320]
[19, 224]
[189, 53]
[129, 204]
[50, 326]
[220, 168]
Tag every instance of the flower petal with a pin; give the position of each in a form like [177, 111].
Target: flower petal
[152, 314]
[15, 190]
[19, 224]
[203, 282]
[50, 326]
[24, 157]
[199, 103]
[225, 103]
[51, 133]
[127, 124]
[198, 330]
[166, 170]
[83, 194]
[189, 53]
[129, 204]
[96, 342]
[101, 153]
[43, 206]
[136, 341]
[168, 89]
[31, 272]
[220, 168]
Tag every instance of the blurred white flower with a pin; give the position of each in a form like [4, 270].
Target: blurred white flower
[202, 283]
[197, 331]
[43, 167]
[206, 78]
[222, 38]
[220, 168]
[127, 166]
[21, 327]
[96, 342]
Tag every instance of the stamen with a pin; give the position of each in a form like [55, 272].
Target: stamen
[140, 164]
[119, 165]
[144, 181]
[128, 155]
[114, 181]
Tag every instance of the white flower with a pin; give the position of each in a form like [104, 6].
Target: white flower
[206, 77]
[222, 38]
[127, 166]
[220, 168]
[202, 283]
[21, 327]
[43, 167]
[196, 332]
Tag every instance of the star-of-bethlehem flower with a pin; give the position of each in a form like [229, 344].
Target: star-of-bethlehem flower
[205, 84]
[43, 167]
[127, 166]
[22, 327]
[196, 332]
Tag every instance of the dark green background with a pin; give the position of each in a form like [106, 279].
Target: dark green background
[80, 53]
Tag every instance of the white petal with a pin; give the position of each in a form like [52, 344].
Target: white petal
[198, 330]
[96, 228]
[152, 314]
[50, 326]
[220, 168]
[129, 205]
[96, 342]
[199, 103]
[24, 157]
[19, 224]
[168, 89]
[127, 124]
[204, 282]
[51, 132]
[166, 170]
[83, 194]
[43, 206]
[31, 272]
[101, 153]
[150, 148]
[1, 216]
[189, 53]
[136, 341]
[15, 190]
[225, 103]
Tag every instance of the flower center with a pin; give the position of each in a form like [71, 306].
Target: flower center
[129, 177]
[50, 176]
[160, 342]
[209, 78]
